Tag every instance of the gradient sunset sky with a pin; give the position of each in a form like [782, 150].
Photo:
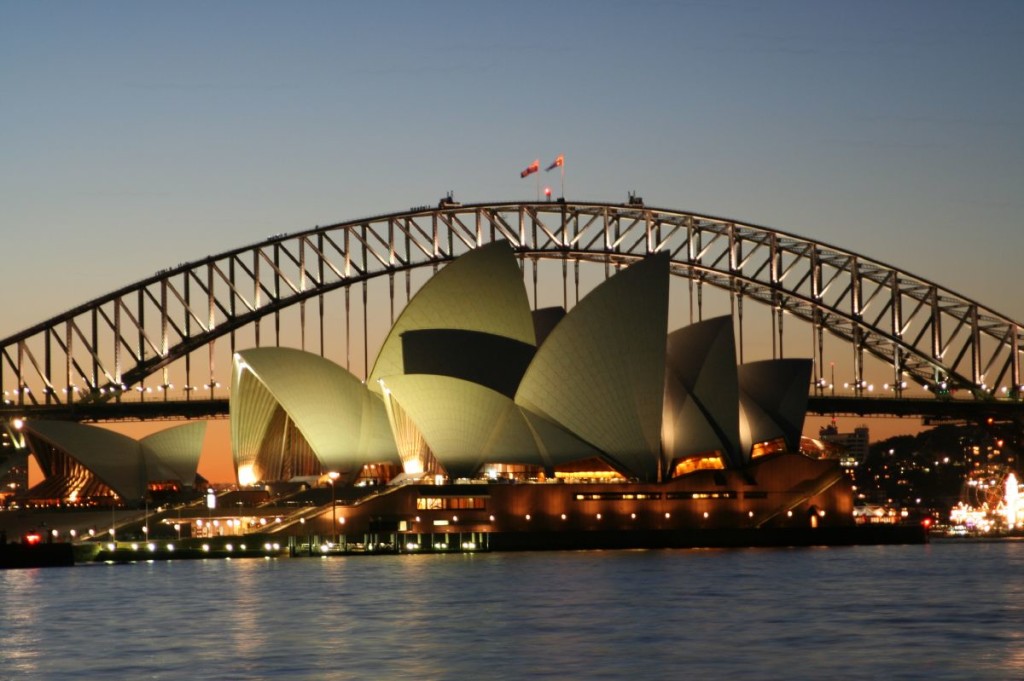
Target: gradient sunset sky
[136, 136]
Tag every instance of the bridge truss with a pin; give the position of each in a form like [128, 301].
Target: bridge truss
[138, 340]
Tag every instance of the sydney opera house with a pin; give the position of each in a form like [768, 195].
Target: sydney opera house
[486, 424]
[487, 420]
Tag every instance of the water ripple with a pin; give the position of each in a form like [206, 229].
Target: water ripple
[944, 611]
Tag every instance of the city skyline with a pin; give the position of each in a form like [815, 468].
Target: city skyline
[138, 138]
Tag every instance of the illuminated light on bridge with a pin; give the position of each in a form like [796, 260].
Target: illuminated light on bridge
[321, 289]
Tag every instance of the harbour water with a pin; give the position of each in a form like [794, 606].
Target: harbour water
[948, 610]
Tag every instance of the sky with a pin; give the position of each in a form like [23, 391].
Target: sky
[136, 136]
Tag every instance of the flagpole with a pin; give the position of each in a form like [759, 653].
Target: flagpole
[560, 164]
[532, 169]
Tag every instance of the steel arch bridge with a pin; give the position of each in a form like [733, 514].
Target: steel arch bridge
[98, 353]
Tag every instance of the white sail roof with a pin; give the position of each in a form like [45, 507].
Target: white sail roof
[344, 424]
[600, 373]
[701, 411]
[479, 291]
[175, 451]
[467, 425]
[773, 400]
[115, 459]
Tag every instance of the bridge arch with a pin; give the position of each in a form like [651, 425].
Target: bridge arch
[126, 340]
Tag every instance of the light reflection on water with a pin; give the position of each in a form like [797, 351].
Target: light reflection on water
[944, 611]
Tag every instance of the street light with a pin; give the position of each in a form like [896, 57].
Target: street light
[332, 476]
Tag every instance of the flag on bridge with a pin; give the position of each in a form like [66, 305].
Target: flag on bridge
[531, 169]
[558, 163]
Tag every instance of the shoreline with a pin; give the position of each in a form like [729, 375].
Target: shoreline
[63, 554]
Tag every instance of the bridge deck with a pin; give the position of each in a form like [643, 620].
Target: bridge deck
[908, 407]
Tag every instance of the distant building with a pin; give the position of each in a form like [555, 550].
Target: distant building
[985, 451]
[853, 447]
[13, 476]
[13, 462]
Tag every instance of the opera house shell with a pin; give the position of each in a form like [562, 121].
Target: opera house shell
[594, 419]
[85, 465]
